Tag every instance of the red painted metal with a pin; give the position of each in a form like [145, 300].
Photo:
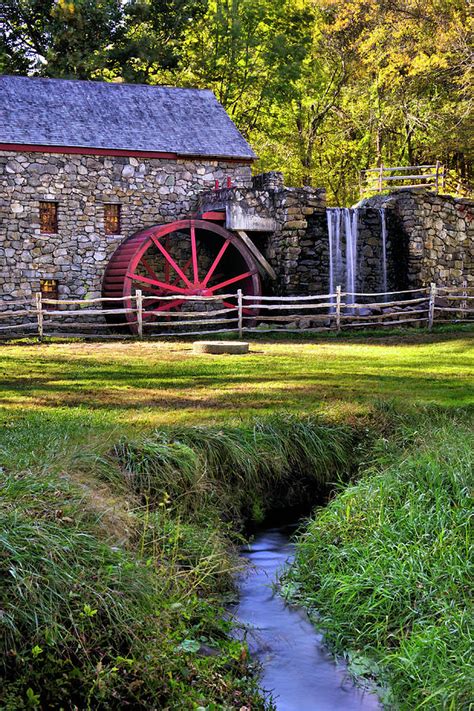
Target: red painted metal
[122, 275]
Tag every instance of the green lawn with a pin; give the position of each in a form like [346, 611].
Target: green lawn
[155, 383]
[142, 519]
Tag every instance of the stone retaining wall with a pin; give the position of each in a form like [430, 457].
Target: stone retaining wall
[437, 232]
[429, 237]
[151, 191]
[290, 210]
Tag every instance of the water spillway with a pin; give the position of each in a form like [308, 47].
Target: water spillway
[347, 240]
[296, 668]
[343, 223]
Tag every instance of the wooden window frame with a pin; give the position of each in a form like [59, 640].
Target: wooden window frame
[113, 220]
[48, 217]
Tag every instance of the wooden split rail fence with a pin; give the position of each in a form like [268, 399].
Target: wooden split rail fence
[376, 180]
[202, 315]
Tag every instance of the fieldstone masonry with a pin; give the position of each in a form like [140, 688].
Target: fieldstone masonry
[434, 235]
[288, 245]
[430, 237]
[151, 191]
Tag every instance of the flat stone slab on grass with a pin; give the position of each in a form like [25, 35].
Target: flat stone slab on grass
[221, 347]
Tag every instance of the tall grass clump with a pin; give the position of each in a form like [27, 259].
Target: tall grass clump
[387, 567]
[236, 471]
[90, 625]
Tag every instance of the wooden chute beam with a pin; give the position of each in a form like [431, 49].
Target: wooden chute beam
[264, 265]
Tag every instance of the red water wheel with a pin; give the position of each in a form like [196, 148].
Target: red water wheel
[182, 259]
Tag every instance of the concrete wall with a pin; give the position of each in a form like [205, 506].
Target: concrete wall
[151, 191]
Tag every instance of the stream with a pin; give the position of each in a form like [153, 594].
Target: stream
[300, 674]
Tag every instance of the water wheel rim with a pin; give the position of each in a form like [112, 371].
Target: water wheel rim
[194, 284]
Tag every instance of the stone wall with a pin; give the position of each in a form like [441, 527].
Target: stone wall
[151, 191]
[433, 233]
[429, 237]
[281, 221]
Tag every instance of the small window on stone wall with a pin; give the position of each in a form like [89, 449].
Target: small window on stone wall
[48, 212]
[49, 290]
[112, 215]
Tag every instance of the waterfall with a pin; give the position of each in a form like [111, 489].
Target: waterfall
[343, 220]
[351, 218]
[335, 250]
[383, 222]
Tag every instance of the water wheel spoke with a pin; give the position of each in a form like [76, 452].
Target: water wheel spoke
[233, 280]
[215, 263]
[149, 270]
[155, 282]
[167, 265]
[171, 261]
[162, 309]
[229, 305]
[194, 255]
[185, 269]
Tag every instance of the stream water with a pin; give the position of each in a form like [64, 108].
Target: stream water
[296, 669]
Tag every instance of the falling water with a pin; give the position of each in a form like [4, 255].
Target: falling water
[351, 218]
[334, 218]
[383, 221]
[337, 218]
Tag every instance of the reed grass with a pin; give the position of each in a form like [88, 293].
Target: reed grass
[236, 472]
[386, 565]
[90, 625]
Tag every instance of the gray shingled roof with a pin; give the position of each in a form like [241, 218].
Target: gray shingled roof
[134, 117]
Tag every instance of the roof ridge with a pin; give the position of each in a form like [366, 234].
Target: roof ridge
[107, 83]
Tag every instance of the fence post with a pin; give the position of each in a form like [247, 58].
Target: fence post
[464, 303]
[438, 166]
[39, 314]
[380, 177]
[338, 308]
[240, 312]
[139, 298]
[431, 305]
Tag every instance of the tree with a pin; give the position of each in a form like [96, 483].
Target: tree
[57, 38]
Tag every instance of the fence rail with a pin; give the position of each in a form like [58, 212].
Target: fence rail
[376, 180]
[234, 313]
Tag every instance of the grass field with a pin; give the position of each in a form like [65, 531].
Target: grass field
[127, 469]
[154, 383]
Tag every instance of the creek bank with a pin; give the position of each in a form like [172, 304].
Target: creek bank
[296, 668]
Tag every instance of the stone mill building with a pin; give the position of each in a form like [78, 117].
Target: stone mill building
[106, 188]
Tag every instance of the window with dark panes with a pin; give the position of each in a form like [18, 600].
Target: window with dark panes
[48, 217]
[112, 215]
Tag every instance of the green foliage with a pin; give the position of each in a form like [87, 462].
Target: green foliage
[386, 565]
[234, 472]
[322, 88]
[64, 38]
[86, 624]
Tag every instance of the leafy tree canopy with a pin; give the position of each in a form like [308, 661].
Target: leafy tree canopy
[322, 88]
